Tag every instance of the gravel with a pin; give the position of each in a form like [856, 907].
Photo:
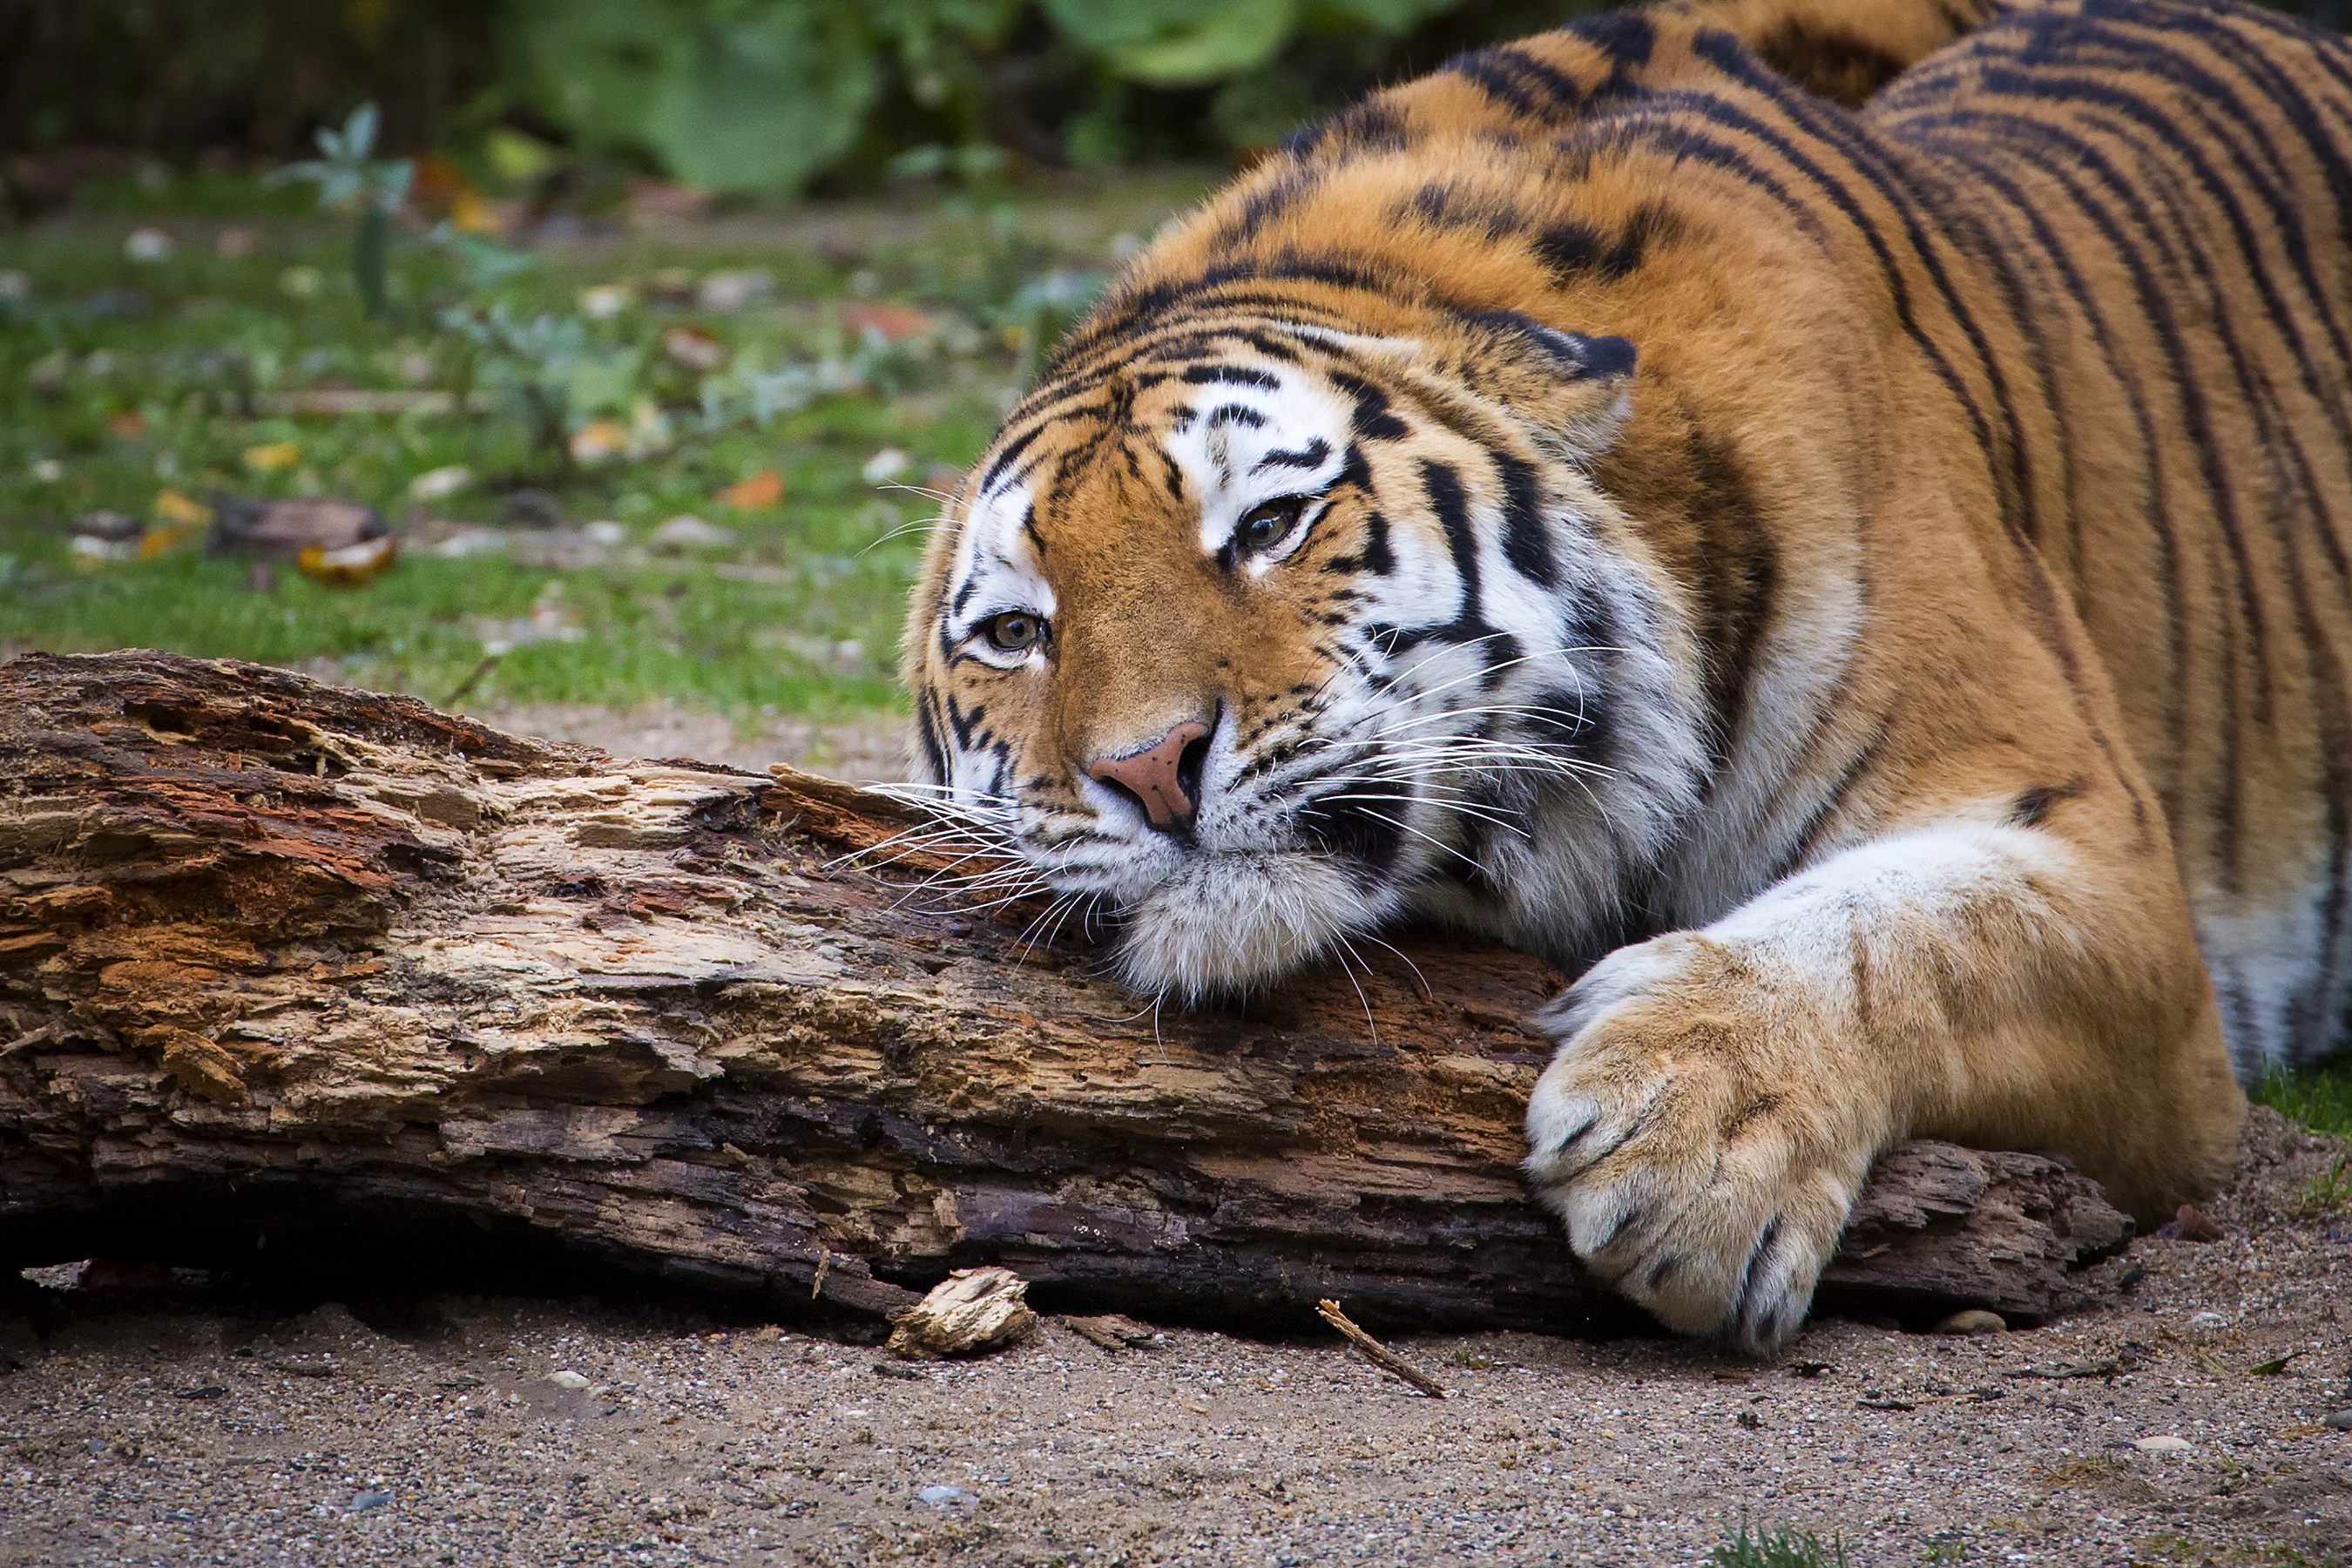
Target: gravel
[172, 1428]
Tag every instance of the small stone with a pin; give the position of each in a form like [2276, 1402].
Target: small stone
[112, 526]
[688, 531]
[944, 1496]
[734, 290]
[529, 509]
[2339, 1422]
[602, 301]
[567, 1380]
[1975, 1320]
[2164, 1445]
[365, 1502]
[439, 484]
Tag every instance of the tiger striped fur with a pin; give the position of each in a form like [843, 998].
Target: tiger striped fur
[1827, 517]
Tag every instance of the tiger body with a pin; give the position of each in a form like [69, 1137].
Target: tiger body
[1865, 583]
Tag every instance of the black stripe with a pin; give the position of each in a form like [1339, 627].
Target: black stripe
[1311, 455]
[1527, 539]
[1230, 375]
[926, 729]
[1447, 500]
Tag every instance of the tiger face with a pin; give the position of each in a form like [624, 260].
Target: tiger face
[1251, 634]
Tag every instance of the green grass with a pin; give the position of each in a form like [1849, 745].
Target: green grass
[1777, 1549]
[120, 380]
[2320, 1098]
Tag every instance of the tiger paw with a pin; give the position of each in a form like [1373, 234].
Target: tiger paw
[1698, 1170]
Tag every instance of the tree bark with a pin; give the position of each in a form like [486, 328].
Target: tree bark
[274, 954]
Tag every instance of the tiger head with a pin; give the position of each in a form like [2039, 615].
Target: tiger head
[1257, 627]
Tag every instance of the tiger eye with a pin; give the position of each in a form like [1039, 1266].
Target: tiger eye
[1265, 526]
[1013, 632]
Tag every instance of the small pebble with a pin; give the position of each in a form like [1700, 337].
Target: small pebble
[688, 531]
[2339, 1422]
[944, 1496]
[567, 1380]
[112, 526]
[362, 1501]
[2165, 1444]
[1975, 1320]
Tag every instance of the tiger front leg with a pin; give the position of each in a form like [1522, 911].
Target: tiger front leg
[1718, 1095]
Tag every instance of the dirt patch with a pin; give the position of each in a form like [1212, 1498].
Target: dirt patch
[458, 1429]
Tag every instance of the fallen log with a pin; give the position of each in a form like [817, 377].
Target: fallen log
[278, 954]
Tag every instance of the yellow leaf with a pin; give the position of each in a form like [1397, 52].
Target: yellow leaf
[270, 458]
[174, 508]
[155, 542]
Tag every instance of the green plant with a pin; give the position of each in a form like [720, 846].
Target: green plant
[747, 95]
[2319, 1097]
[1188, 43]
[349, 181]
[1777, 1549]
[2329, 1191]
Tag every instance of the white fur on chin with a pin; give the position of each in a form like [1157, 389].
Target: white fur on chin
[1225, 923]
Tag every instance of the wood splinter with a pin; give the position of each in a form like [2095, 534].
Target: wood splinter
[1114, 1331]
[972, 1311]
[1378, 1354]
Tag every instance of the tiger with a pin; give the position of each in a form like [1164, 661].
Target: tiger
[1827, 519]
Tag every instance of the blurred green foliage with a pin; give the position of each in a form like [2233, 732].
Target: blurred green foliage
[742, 97]
[748, 96]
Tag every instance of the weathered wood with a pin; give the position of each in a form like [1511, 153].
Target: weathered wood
[269, 948]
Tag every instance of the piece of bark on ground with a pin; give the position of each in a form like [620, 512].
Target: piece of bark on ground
[328, 970]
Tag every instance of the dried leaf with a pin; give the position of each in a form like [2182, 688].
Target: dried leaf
[763, 489]
[351, 567]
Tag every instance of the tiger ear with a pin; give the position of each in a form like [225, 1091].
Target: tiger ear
[1580, 386]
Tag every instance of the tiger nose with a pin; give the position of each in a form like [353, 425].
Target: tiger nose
[1163, 778]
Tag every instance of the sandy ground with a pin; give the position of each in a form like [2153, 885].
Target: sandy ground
[445, 1428]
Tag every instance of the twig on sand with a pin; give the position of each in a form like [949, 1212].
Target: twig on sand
[1378, 1354]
